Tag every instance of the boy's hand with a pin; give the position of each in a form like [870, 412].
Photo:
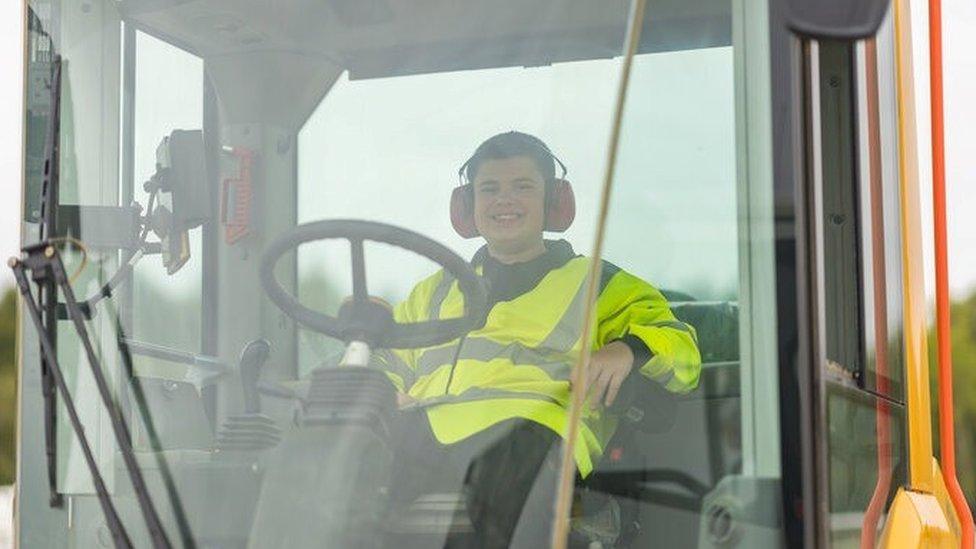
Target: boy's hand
[609, 367]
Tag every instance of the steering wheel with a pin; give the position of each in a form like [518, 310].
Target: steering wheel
[365, 319]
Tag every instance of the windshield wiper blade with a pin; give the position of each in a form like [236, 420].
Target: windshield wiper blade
[44, 262]
[47, 292]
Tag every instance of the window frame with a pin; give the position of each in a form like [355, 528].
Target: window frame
[819, 376]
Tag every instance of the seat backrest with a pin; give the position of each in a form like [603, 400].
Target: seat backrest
[717, 324]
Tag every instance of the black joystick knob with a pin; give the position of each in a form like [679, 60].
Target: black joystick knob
[253, 358]
[251, 430]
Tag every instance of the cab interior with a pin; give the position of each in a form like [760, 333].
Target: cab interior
[291, 102]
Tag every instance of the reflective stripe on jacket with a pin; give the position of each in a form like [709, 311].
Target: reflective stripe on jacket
[519, 364]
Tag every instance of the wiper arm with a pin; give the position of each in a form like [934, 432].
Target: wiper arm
[46, 267]
[119, 535]
[176, 505]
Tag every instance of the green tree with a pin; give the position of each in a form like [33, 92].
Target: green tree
[963, 319]
[8, 384]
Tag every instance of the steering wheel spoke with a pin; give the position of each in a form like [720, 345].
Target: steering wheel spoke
[360, 294]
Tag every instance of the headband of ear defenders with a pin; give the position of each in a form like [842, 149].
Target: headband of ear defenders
[560, 200]
[531, 141]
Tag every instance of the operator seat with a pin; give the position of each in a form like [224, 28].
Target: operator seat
[648, 435]
[660, 473]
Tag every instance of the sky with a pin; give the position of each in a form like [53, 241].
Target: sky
[960, 89]
[960, 41]
[11, 103]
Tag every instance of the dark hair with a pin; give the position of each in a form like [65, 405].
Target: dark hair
[512, 144]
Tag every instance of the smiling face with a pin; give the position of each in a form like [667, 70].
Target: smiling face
[509, 207]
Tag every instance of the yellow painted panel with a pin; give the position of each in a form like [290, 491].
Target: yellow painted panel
[916, 351]
[941, 494]
[917, 521]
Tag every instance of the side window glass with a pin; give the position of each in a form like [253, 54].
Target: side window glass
[860, 213]
[87, 150]
[862, 284]
[685, 225]
[168, 96]
[164, 321]
[841, 217]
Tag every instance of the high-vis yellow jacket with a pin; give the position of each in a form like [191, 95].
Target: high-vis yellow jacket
[519, 364]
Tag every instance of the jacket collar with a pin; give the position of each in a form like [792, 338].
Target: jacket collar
[557, 254]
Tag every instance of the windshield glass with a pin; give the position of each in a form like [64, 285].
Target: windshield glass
[366, 298]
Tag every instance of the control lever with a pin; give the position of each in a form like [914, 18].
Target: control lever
[251, 430]
[253, 358]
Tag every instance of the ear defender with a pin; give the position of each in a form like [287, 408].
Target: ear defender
[462, 211]
[560, 208]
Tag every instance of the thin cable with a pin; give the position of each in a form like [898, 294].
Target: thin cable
[567, 470]
[81, 247]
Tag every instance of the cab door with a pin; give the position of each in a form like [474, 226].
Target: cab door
[847, 175]
[857, 315]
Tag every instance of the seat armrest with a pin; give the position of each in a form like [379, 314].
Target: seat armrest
[645, 404]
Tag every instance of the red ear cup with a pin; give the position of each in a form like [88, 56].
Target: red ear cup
[462, 212]
[560, 207]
